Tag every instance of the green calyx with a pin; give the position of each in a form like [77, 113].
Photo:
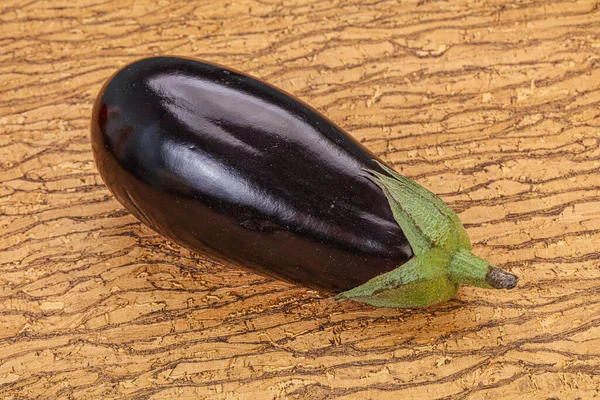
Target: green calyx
[442, 251]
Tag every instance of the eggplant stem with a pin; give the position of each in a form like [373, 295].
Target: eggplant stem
[466, 268]
[442, 251]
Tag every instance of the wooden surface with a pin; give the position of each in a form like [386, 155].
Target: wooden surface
[492, 105]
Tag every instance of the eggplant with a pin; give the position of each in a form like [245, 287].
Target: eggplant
[229, 166]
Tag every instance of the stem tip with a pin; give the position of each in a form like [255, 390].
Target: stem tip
[500, 279]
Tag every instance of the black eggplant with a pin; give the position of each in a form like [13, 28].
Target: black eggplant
[227, 165]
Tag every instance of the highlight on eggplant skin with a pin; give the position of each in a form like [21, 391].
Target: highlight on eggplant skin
[230, 166]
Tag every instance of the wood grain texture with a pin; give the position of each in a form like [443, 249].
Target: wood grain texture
[494, 105]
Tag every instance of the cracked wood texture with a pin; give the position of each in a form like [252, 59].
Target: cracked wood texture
[494, 105]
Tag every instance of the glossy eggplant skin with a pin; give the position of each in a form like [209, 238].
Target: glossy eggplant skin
[229, 166]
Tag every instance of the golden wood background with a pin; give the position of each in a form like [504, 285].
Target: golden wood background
[494, 105]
